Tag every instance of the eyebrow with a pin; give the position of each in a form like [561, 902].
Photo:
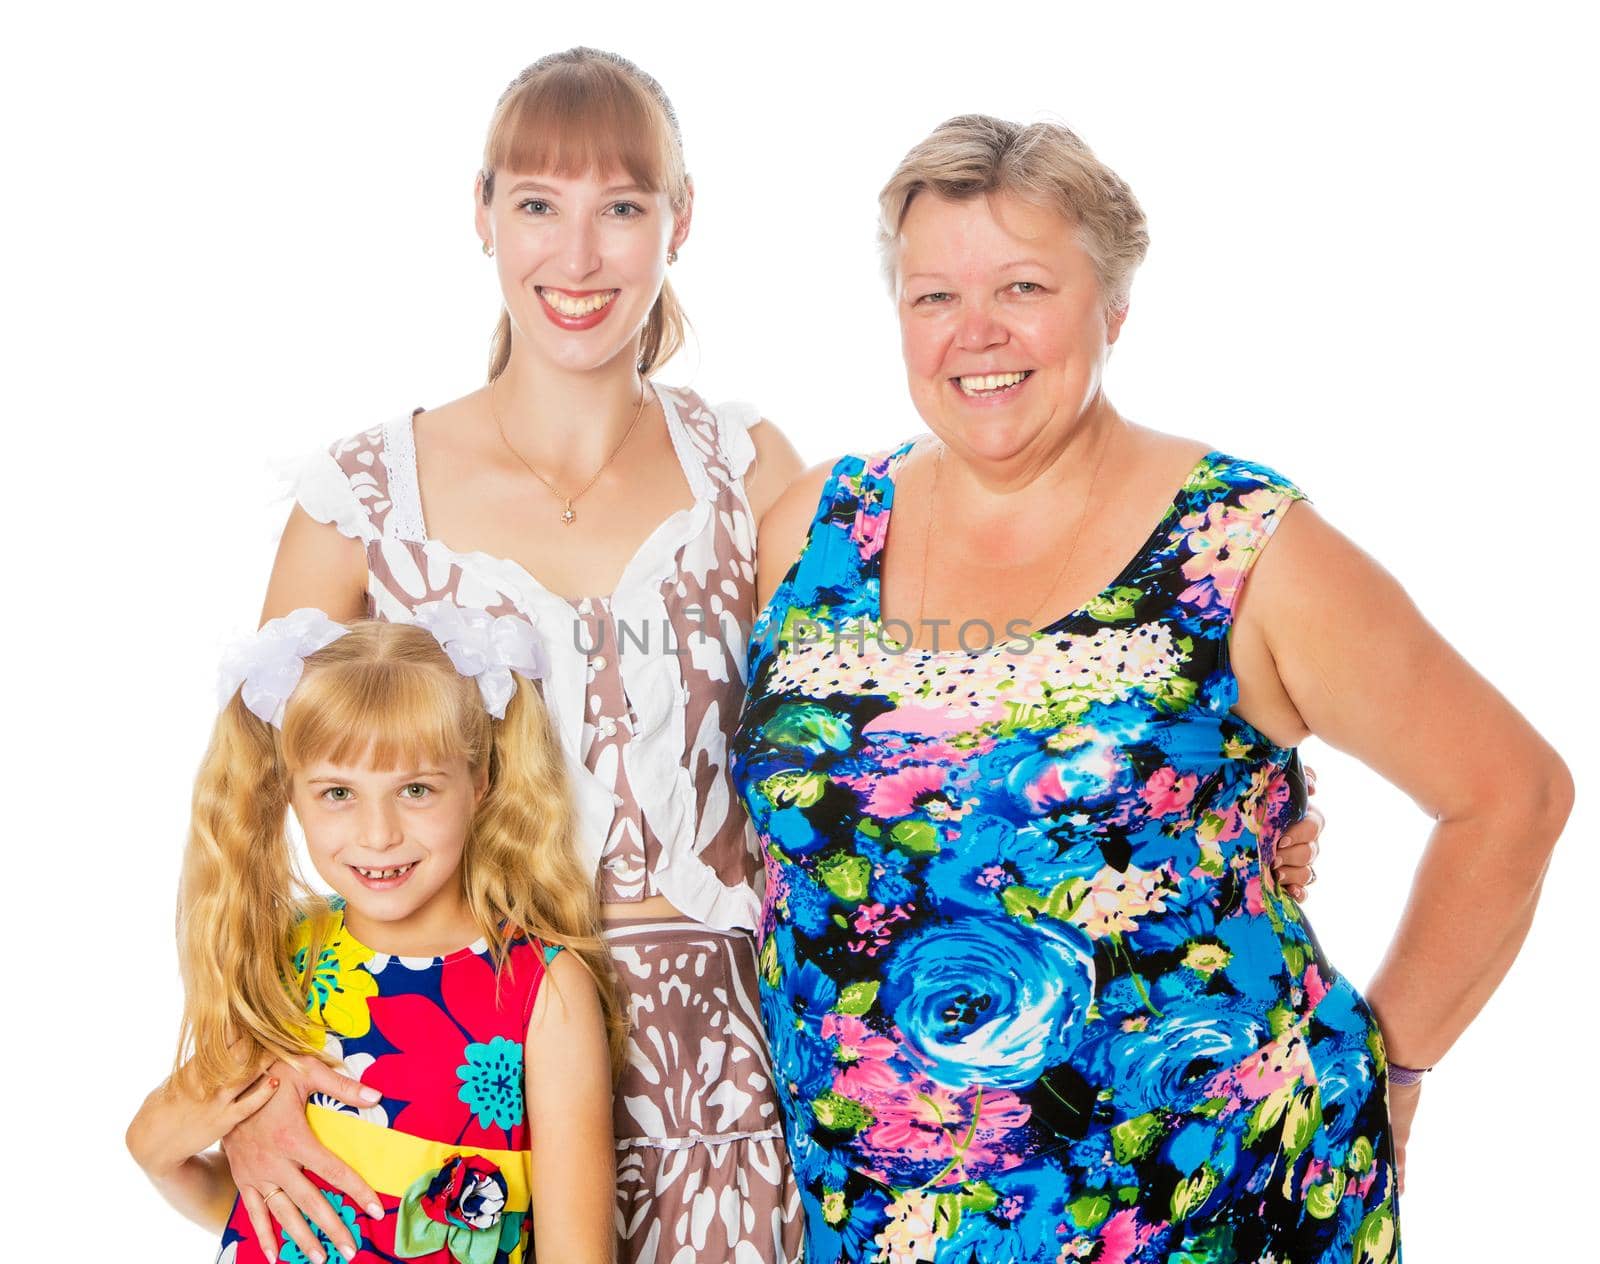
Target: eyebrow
[1004, 267]
[407, 777]
[534, 186]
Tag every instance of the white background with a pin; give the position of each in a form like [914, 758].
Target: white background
[239, 231]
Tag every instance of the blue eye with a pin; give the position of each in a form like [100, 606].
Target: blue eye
[1026, 287]
[539, 205]
[633, 208]
[936, 297]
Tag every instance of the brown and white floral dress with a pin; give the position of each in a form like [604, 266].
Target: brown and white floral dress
[645, 686]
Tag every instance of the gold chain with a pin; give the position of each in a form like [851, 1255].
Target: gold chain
[568, 514]
[1072, 546]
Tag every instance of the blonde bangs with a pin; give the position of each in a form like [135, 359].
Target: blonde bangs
[587, 118]
[388, 716]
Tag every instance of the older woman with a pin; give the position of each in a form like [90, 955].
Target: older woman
[1018, 736]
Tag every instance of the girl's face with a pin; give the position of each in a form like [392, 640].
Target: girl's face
[391, 844]
[1003, 326]
[581, 260]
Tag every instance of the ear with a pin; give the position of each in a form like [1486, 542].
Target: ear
[1114, 323]
[480, 785]
[680, 224]
[480, 212]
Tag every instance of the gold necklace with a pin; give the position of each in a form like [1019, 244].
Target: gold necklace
[568, 514]
[1072, 545]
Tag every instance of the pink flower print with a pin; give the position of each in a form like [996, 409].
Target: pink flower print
[1316, 989]
[869, 530]
[902, 792]
[875, 926]
[857, 1042]
[969, 1131]
[1122, 1237]
[1166, 793]
[1275, 1066]
[1222, 537]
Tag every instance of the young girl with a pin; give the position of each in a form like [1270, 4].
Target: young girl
[434, 805]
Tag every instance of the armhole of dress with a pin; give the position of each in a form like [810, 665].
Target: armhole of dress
[736, 447]
[782, 595]
[399, 457]
[547, 954]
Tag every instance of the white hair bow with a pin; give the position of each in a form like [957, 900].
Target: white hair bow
[265, 668]
[486, 647]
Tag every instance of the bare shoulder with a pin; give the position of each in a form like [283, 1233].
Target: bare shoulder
[567, 998]
[776, 466]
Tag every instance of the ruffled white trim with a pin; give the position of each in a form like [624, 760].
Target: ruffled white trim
[734, 420]
[318, 484]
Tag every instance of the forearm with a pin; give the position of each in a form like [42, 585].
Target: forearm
[200, 1187]
[1472, 901]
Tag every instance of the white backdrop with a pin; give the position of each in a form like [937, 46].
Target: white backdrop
[239, 231]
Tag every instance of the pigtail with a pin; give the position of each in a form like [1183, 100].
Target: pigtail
[238, 903]
[522, 865]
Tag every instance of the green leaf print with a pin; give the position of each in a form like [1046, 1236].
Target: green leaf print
[1061, 903]
[1114, 606]
[808, 726]
[845, 876]
[1191, 1194]
[1361, 1156]
[920, 838]
[1322, 1201]
[1375, 1239]
[1132, 1138]
[857, 998]
[840, 1113]
[1176, 693]
[1302, 1121]
[793, 788]
[1090, 1211]
[949, 1208]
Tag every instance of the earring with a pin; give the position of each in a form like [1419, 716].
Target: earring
[488, 250]
[672, 256]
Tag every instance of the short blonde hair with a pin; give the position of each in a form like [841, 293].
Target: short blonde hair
[972, 155]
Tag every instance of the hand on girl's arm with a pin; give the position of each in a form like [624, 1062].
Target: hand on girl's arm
[171, 1139]
[568, 1073]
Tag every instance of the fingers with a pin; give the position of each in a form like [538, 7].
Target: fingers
[260, 1222]
[321, 1078]
[336, 1172]
[251, 1100]
[1311, 778]
[301, 1201]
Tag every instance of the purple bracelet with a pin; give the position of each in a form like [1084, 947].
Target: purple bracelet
[1403, 1075]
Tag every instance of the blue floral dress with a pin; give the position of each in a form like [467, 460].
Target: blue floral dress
[1030, 992]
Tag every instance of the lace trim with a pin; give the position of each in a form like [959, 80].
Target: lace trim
[400, 457]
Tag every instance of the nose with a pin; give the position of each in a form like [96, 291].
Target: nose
[381, 828]
[980, 328]
[580, 248]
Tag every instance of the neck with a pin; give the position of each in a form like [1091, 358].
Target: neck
[566, 420]
[437, 929]
[1056, 468]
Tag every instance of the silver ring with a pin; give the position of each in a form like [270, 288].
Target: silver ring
[1311, 874]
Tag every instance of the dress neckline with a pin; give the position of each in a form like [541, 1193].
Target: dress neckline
[874, 566]
[404, 476]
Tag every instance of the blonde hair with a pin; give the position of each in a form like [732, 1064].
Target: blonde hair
[384, 694]
[587, 110]
[973, 155]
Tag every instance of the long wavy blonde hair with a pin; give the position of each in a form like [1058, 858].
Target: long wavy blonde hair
[384, 695]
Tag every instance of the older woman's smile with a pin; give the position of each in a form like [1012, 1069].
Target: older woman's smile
[991, 386]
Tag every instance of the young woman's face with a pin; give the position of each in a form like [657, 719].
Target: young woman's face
[1003, 325]
[581, 260]
[391, 844]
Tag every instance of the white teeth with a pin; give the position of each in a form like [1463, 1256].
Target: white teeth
[378, 875]
[568, 306]
[980, 382]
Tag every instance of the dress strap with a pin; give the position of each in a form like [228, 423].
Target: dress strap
[399, 457]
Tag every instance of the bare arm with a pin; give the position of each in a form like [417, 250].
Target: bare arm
[316, 566]
[782, 532]
[568, 1090]
[171, 1139]
[1348, 656]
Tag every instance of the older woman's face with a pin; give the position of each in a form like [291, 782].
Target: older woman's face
[1003, 325]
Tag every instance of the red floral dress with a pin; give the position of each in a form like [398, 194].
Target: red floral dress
[447, 1147]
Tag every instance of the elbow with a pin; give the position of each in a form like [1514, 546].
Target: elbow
[1554, 800]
